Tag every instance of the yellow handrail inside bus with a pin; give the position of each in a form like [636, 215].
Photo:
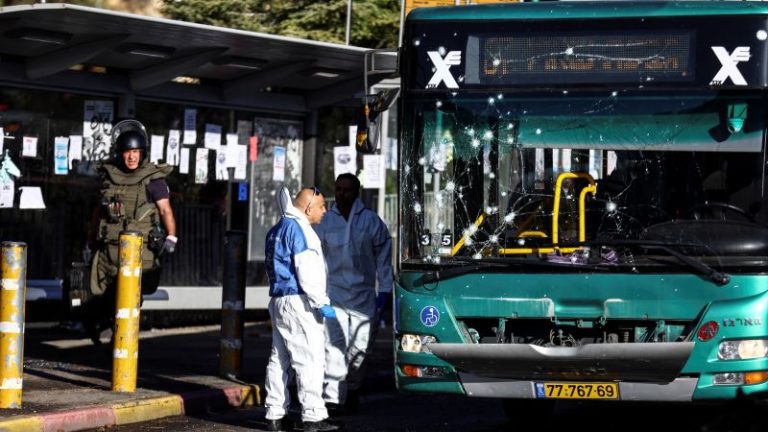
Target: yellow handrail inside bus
[591, 188]
[526, 251]
[467, 234]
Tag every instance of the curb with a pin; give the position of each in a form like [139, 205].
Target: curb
[134, 411]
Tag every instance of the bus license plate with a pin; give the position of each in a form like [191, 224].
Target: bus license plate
[564, 390]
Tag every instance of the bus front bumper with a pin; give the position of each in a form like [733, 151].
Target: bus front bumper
[678, 390]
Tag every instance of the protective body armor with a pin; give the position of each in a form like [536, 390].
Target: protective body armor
[124, 206]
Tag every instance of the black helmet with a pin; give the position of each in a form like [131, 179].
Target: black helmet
[129, 135]
[130, 140]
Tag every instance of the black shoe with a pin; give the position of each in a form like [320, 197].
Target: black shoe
[335, 409]
[353, 401]
[322, 425]
[278, 425]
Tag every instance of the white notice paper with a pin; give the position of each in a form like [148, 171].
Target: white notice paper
[6, 194]
[184, 163]
[201, 165]
[241, 161]
[190, 126]
[221, 164]
[97, 129]
[60, 158]
[29, 148]
[212, 136]
[156, 148]
[172, 154]
[353, 136]
[344, 160]
[231, 150]
[31, 198]
[75, 148]
[373, 173]
[278, 164]
[2, 139]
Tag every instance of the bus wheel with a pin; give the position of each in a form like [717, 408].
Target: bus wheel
[517, 409]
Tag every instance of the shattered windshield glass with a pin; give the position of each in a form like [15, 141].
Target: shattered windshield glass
[494, 175]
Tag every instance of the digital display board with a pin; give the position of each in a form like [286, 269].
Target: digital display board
[580, 57]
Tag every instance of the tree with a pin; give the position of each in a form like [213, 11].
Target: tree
[375, 23]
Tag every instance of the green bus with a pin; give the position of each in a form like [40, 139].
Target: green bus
[583, 205]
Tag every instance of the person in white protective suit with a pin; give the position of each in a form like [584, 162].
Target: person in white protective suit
[358, 250]
[299, 303]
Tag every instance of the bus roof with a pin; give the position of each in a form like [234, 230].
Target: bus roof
[587, 9]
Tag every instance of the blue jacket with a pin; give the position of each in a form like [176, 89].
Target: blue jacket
[294, 258]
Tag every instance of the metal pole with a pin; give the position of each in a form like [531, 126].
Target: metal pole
[383, 132]
[349, 22]
[13, 284]
[232, 303]
[125, 356]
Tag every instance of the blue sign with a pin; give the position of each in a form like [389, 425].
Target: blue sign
[242, 192]
[429, 316]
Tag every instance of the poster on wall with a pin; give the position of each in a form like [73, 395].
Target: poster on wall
[31, 198]
[75, 149]
[172, 152]
[272, 137]
[221, 164]
[97, 128]
[6, 193]
[241, 161]
[232, 143]
[212, 136]
[201, 166]
[184, 162]
[60, 155]
[29, 146]
[156, 148]
[278, 164]
[344, 160]
[372, 172]
[190, 126]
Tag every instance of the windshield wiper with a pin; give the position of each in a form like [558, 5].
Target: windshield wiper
[715, 276]
[474, 265]
[466, 267]
[450, 272]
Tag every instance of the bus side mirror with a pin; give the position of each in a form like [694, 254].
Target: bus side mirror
[367, 137]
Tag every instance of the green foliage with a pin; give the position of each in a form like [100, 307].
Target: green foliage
[375, 23]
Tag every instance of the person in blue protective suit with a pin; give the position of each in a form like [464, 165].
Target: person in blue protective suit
[298, 305]
[358, 250]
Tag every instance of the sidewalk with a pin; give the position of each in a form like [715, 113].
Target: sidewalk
[67, 380]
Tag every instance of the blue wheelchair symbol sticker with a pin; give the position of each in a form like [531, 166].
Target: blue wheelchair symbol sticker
[429, 316]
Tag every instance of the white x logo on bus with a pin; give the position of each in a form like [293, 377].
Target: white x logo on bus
[730, 62]
[442, 66]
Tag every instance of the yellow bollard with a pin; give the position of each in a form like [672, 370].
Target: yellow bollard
[125, 357]
[13, 271]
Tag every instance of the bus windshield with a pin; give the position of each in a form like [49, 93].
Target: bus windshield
[489, 175]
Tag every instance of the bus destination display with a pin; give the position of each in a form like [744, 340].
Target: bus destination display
[586, 57]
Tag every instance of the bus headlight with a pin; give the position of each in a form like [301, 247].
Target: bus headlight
[742, 349]
[416, 343]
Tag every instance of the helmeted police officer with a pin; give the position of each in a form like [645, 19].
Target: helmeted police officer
[134, 196]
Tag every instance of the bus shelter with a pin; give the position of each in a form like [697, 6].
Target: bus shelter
[68, 73]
